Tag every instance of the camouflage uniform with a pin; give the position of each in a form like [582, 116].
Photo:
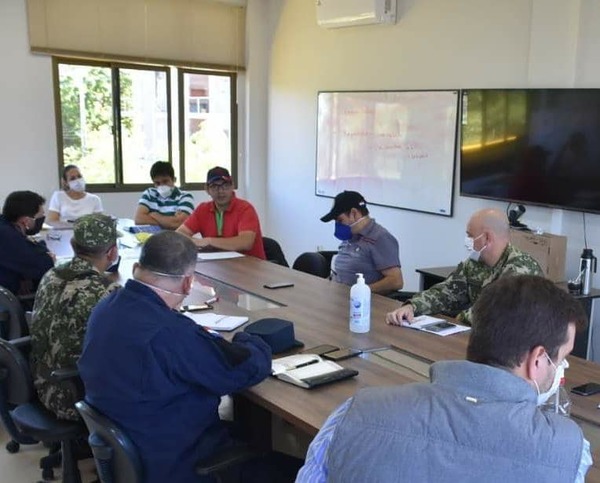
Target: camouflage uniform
[460, 290]
[64, 300]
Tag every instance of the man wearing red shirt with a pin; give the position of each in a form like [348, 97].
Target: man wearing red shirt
[227, 223]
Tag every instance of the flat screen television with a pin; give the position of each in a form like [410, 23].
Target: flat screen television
[537, 146]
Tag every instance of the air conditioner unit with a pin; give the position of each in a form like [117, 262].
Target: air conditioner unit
[350, 13]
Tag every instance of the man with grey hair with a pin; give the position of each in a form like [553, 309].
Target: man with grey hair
[490, 256]
[156, 373]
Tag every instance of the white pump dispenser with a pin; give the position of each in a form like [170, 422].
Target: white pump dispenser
[360, 306]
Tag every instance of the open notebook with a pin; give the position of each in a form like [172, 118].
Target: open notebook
[436, 326]
[309, 370]
[219, 322]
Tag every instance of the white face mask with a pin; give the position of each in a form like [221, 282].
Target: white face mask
[559, 373]
[77, 184]
[164, 190]
[470, 246]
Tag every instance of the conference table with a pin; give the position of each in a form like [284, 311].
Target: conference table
[319, 310]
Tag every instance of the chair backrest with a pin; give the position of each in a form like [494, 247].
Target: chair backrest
[117, 459]
[16, 383]
[274, 252]
[313, 263]
[13, 323]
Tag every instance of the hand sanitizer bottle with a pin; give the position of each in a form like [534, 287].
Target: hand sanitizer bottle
[360, 306]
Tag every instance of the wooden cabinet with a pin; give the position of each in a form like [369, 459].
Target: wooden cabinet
[549, 250]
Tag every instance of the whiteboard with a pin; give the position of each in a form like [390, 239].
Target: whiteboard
[397, 148]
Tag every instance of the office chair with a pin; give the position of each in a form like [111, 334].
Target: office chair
[13, 318]
[313, 263]
[117, 459]
[27, 420]
[401, 296]
[274, 252]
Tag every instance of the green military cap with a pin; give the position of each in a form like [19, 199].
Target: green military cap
[95, 230]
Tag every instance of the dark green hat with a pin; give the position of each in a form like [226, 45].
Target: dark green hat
[95, 230]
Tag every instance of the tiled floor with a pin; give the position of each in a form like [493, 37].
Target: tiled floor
[23, 467]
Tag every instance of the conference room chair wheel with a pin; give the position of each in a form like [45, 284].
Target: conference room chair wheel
[47, 474]
[12, 447]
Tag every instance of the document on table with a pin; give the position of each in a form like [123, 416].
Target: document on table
[219, 322]
[204, 257]
[435, 326]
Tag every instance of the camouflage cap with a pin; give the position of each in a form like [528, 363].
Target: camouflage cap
[95, 230]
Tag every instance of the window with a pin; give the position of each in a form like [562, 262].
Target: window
[207, 135]
[115, 120]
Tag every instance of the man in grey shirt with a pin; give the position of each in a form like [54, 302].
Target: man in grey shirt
[366, 248]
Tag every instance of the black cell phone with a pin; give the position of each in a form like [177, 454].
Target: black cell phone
[586, 389]
[438, 326]
[321, 349]
[195, 308]
[278, 285]
[341, 354]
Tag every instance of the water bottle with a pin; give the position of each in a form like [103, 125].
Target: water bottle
[360, 306]
[587, 264]
[559, 402]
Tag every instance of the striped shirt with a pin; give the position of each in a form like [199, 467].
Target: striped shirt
[178, 201]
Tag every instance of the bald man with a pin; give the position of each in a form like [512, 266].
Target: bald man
[490, 256]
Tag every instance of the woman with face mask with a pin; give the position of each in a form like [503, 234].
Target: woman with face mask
[72, 201]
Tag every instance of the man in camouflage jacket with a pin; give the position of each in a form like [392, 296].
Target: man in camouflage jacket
[64, 300]
[491, 256]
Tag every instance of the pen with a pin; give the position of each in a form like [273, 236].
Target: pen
[212, 300]
[304, 364]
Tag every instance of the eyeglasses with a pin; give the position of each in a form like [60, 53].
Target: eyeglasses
[220, 187]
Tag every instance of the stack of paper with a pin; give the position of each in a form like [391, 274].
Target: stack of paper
[219, 322]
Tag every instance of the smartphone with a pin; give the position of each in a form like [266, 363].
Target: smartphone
[438, 326]
[195, 308]
[586, 389]
[321, 349]
[341, 354]
[278, 285]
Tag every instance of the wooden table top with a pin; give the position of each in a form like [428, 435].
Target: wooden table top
[319, 310]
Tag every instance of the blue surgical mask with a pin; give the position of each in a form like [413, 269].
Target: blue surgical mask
[342, 232]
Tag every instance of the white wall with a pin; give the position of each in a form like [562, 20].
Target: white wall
[27, 132]
[436, 44]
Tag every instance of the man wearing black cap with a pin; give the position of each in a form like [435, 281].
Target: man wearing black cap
[226, 222]
[366, 248]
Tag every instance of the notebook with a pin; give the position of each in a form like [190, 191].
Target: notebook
[224, 323]
[309, 370]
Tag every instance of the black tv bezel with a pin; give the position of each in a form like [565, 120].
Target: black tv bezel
[506, 199]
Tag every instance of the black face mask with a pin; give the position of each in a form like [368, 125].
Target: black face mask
[37, 227]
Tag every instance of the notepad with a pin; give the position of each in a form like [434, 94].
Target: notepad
[436, 326]
[223, 323]
[309, 370]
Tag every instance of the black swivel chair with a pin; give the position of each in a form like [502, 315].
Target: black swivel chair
[27, 420]
[274, 252]
[313, 263]
[117, 459]
[13, 318]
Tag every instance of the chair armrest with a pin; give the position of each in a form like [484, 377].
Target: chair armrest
[64, 374]
[225, 459]
[21, 342]
[401, 296]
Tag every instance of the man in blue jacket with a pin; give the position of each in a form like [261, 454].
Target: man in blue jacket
[158, 374]
[23, 261]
